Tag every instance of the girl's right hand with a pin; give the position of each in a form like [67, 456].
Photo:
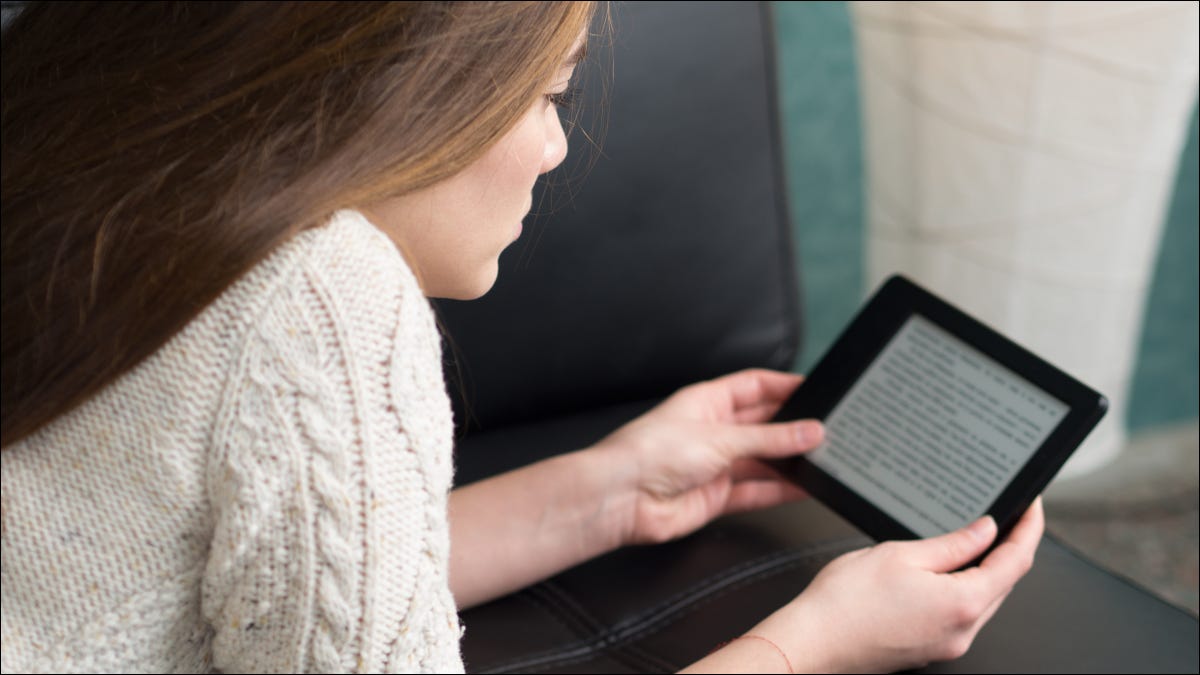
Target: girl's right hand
[902, 604]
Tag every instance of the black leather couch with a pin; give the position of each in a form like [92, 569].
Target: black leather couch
[672, 262]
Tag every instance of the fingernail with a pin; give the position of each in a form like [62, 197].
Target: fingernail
[810, 433]
[983, 529]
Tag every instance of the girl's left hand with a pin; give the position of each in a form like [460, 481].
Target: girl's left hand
[693, 457]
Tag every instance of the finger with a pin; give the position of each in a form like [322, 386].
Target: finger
[762, 412]
[1029, 529]
[950, 551]
[749, 388]
[761, 494]
[1021, 543]
[768, 440]
[1013, 557]
[989, 612]
[752, 469]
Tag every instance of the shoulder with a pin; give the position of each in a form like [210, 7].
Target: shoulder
[342, 330]
[347, 256]
[339, 298]
[344, 280]
[332, 450]
[354, 255]
[352, 281]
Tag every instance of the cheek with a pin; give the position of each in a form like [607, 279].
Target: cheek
[527, 147]
[508, 168]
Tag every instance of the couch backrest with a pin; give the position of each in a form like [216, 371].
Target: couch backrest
[673, 259]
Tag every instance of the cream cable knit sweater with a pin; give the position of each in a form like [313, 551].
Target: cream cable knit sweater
[267, 492]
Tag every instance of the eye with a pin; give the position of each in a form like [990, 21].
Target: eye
[566, 98]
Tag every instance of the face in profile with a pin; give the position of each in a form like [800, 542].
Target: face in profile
[452, 233]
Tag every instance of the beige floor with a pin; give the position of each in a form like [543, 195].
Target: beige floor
[1137, 516]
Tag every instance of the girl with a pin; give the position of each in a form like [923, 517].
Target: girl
[226, 437]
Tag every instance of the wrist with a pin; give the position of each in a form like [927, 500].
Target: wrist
[799, 637]
[760, 640]
[618, 458]
[594, 489]
[556, 514]
[748, 653]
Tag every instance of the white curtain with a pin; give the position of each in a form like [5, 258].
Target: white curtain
[1020, 157]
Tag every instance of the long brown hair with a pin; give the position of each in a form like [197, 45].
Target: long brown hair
[153, 152]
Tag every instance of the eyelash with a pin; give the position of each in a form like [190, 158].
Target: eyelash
[565, 99]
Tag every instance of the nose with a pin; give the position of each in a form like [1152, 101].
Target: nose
[556, 141]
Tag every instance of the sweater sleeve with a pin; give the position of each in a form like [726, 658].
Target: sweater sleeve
[329, 474]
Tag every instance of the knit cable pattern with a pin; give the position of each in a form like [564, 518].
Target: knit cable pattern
[267, 493]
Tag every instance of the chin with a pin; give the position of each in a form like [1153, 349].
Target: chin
[473, 289]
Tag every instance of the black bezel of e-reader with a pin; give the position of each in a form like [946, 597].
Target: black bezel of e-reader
[856, 348]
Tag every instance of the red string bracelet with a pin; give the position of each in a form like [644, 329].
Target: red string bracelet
[759, 637]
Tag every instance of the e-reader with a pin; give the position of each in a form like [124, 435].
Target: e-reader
[932, 419]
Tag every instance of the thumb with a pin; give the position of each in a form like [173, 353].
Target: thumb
[779, 439]
[950, 551]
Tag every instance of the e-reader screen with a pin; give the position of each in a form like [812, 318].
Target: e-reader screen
[933, 419]
[933, 429]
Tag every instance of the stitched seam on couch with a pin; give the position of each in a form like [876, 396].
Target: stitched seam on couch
[556, 601]
[642, 660]
[653, 618]
[561, 608]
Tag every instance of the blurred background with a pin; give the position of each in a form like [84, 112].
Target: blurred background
[1045, 178]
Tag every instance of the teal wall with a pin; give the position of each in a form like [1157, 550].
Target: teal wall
[823, 151]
